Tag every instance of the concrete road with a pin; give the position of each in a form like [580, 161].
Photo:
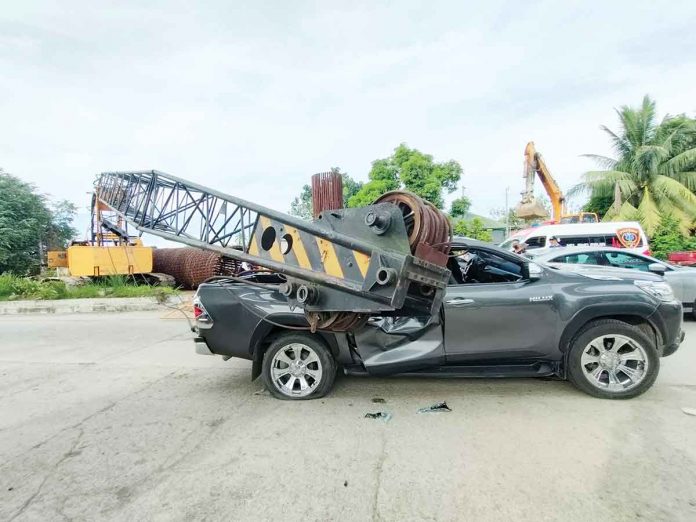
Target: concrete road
[115, 418]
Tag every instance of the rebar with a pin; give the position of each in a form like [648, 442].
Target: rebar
[327, 192]
[191, 266]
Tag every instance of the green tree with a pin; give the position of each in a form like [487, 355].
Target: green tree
[473, 229]
[460, 207]
[28, 227]
[511, 220]
[667, 238]
[654, 168]
[350, 187]
[301, 206]
[412, 170]
[60, 230]
[599, 204]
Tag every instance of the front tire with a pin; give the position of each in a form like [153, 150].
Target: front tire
[298, 366]
[611, 359]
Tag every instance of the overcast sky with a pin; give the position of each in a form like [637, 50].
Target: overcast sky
[253, 97]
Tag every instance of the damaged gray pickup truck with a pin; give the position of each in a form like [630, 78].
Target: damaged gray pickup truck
[503, 316]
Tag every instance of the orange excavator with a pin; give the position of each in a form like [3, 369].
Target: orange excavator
[530, 208]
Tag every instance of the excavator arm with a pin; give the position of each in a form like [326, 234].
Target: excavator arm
[529, 208]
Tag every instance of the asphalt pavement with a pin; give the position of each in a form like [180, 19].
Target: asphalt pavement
[114, 417]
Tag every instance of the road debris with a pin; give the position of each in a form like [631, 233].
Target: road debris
[378, 400]
[436, 408]
[689, 411]
[384, 415]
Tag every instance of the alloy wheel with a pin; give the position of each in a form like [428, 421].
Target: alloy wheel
[614, 363]
[296, 370]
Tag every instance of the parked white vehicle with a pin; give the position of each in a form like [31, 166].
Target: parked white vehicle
[619, 234]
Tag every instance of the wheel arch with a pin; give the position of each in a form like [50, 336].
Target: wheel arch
[265, 333]
[581, 320]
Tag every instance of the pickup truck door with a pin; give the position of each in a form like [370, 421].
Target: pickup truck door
[497, 321]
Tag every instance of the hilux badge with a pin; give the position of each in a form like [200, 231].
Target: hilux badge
[540, 298]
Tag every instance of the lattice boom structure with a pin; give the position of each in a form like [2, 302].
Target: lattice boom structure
[346, 260]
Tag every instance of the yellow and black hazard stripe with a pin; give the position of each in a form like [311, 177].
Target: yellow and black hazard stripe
[288, 245]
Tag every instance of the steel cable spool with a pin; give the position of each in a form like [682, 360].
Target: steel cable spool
[335, 321]
[425, 223]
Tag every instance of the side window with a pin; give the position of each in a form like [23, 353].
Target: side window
[535, 242]
[598, 240]
[574, 240]
[627, 261]
[589, 258]
[508, 242]
[482, 266]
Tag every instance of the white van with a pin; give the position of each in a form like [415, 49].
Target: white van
[619, 234]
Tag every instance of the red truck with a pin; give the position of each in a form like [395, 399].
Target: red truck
[683, 258]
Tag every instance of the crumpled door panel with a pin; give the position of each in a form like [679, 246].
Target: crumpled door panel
[401, 344]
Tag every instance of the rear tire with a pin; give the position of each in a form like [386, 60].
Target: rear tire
[611, 359]
[298, 366]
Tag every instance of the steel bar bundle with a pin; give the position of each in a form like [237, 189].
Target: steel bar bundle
[327, 192]
[191, 266]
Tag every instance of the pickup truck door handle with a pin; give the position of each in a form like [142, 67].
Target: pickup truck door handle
[459, 301]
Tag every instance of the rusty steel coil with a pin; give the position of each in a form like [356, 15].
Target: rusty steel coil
[425, 223]
[191, 266]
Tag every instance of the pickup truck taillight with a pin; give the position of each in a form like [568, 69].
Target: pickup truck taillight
[200, 314]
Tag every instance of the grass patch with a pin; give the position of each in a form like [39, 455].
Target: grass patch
[15, 288]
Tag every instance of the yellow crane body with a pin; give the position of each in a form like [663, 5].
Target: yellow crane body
[108, 251]
[89, 261]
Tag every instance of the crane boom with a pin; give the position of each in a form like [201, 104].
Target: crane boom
[347, 260]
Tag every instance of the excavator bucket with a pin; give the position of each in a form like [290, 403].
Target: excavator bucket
[531, 209]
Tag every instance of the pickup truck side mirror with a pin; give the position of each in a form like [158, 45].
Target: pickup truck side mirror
[657, 268]
[534, 271]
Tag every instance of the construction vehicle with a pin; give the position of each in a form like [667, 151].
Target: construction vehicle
[388, 257]
[109, 250]
[529, 208]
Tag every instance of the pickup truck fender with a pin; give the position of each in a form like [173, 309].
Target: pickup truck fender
[634, 313]
[266, 332]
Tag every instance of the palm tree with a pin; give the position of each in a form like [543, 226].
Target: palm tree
[655, 169]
